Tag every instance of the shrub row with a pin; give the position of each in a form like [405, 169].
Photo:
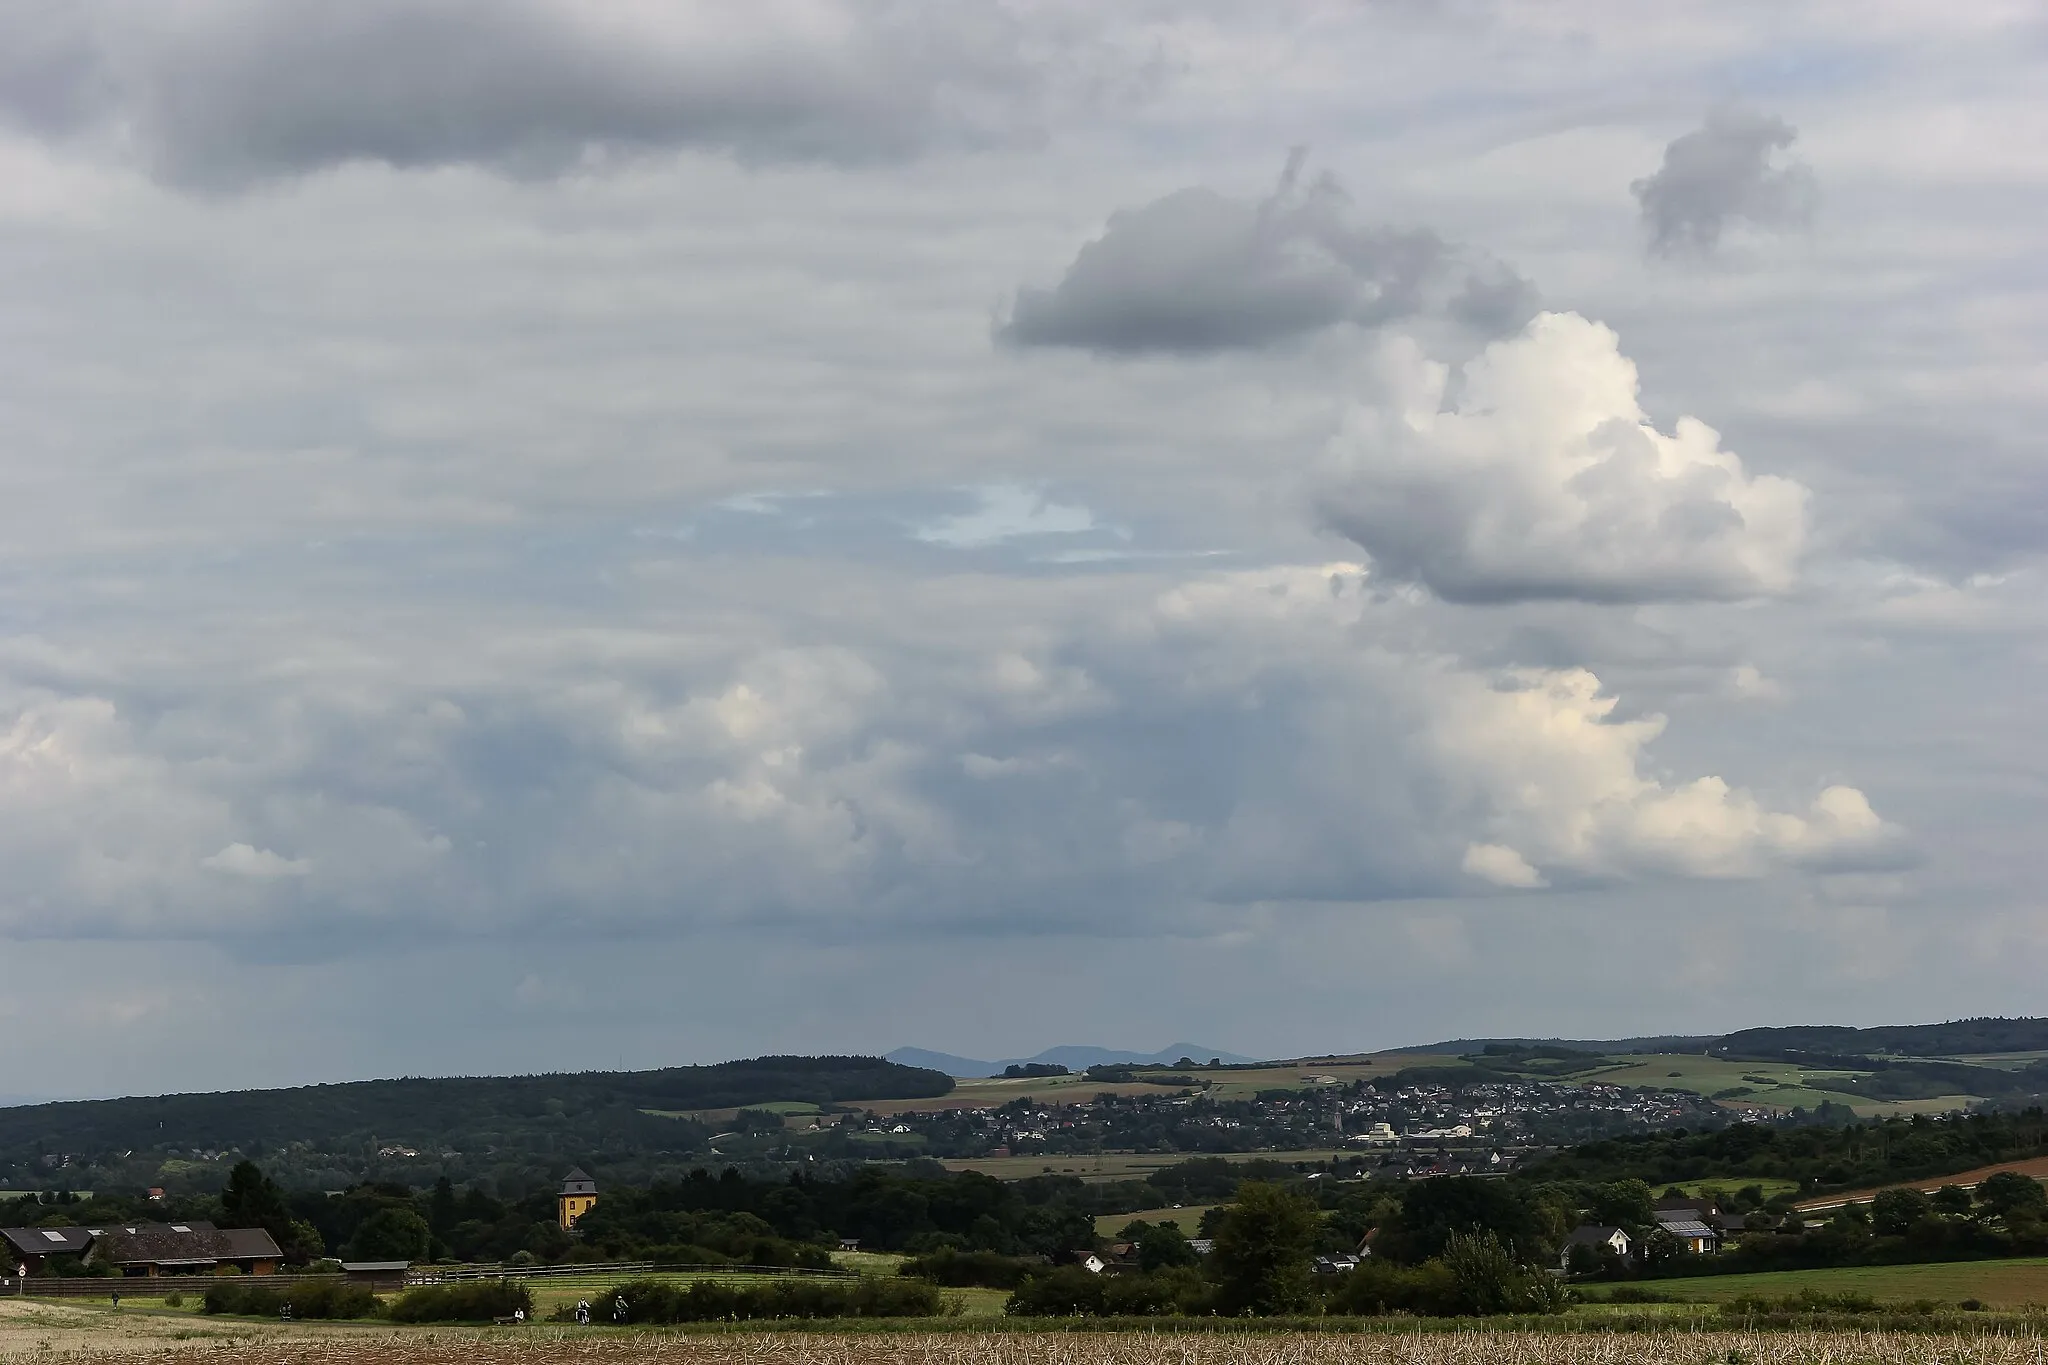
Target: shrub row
[660, 1301]
[477, 1301]
[319, 1299]
[961, 1269]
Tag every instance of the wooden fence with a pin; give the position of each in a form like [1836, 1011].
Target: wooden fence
[459, 1274]
[192, 1286]
[157, 1286]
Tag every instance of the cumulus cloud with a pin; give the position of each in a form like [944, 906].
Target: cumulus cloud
[1562, 785]
[1201, 271]
[1546, 479]
[229, 91]
[1134, 755]
[1720, 174]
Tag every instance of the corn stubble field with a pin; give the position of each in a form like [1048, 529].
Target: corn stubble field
[47, 1334]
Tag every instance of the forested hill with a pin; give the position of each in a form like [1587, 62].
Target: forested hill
[335, 1134]
[1957, 1038]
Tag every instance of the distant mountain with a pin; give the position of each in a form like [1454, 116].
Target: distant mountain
[1073, 1058]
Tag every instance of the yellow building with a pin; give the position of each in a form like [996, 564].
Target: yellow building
[578, 1197]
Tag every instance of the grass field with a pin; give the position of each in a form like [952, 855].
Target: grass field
[1116, 1165]
[1778, 1086]
[1998, 1284]
[1188, 1219]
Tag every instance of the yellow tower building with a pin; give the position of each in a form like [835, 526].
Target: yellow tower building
[578, 1197]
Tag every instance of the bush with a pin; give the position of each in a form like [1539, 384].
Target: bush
[960, 1269]
[252, 1298]
[1490, 1281]
[1378, 1287]
[174, 1300]
[1072, 1292]
[480, 1301]
[662, 1301]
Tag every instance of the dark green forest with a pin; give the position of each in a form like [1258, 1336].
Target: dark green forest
[339, 1135]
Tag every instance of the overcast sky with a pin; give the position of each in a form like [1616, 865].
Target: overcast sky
[548, 535]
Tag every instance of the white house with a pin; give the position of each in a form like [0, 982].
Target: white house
[1597, 1237]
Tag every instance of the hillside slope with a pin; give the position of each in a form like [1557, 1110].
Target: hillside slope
[405, 1128]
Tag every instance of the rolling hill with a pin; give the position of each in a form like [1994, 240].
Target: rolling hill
[418, 1127]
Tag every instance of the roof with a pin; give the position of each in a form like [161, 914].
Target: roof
[1593, 1234]
[191, 1243]
[1688, 1227]
[578, 1181]
[47, 1241]
[250, 1244]
[1676, 1202]
[372, 1267]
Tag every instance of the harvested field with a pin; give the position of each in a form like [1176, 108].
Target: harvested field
[30, 1332]
[2036, 1167]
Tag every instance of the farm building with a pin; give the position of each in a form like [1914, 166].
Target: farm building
[144, 1249]
[148, 1249]
[32, 1247]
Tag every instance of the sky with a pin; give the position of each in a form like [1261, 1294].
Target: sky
[544, 535]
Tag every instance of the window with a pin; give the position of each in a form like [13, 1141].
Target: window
[179, 1227]
[55, 1237]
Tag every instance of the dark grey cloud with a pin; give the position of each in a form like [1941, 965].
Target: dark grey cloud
[1201, 271]
[1723, 173]
[232, 92]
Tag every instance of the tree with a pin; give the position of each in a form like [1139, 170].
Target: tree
[1623, 1204]
[1432, 1210]
[1163, 1245]
[1895, 1211]
[441, 1209]
[1953, 1200]
[390, 1234]
[1490, 1281]
[2009, 1192]
[1264, 1246]
[252, 1199]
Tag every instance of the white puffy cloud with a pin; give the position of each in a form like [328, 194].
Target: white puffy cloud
[1558, 783]
[1543, 477]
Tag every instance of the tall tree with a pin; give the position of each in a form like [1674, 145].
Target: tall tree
[1263, 1251]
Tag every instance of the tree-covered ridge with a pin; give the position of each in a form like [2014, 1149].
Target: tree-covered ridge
[1820, 1158]
[339, 1130]
[1955, 1038]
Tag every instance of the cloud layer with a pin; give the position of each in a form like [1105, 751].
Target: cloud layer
[228, 92]
[1200, 271]
[1114, 752]
[1545, 479]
